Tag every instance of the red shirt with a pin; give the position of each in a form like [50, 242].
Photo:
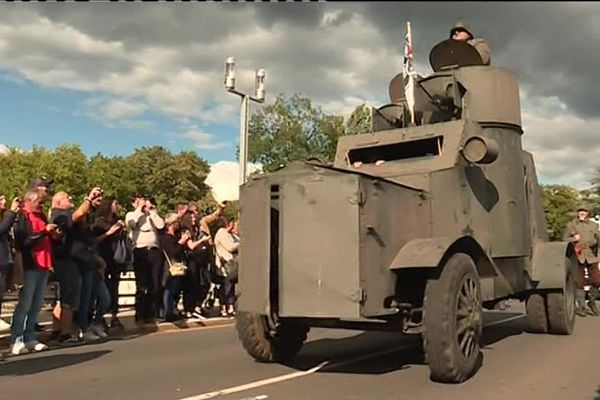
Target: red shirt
[42, 250]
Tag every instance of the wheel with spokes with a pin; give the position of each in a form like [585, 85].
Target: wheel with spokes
[453, 323]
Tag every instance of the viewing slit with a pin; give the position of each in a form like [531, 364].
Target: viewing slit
[398, 151]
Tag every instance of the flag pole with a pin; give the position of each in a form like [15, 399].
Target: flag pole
[410, 97]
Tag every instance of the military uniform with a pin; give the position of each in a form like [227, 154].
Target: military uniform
[481, 45]
[586, 250]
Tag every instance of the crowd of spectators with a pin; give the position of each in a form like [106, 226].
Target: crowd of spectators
[85, 249]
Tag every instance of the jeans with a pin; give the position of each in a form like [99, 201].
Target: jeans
[227, 292]
[31, 299]
[101, 295]
[88, 277]
[171, 294]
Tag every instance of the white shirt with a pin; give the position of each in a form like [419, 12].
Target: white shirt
[143, 228]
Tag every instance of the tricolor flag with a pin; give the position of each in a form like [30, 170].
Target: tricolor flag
[409, 73]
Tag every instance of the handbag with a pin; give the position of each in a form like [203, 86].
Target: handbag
[175, 268]
[123, 254]
[229, 269]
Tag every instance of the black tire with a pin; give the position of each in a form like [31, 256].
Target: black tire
[561, 306]
[537, 319]
[455, 295]
[266, 346]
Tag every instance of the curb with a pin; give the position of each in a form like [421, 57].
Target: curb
[132, 330]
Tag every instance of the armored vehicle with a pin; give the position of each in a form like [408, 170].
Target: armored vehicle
[416, 227]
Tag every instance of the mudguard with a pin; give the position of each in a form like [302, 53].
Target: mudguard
[419, 253]
[550, 262]
[428, 253]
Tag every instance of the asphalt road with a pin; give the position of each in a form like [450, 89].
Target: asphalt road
[334, 365]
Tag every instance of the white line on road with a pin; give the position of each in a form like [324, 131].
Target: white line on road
[299, 374]
[256, 384]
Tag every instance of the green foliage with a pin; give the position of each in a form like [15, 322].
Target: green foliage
[360, 121]
[560, 203]
[153, 171]
[292, 129]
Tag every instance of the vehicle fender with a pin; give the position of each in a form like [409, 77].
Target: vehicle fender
[550, 262]
[431, 252]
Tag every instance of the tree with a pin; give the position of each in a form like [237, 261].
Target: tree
[360, 121]
[114, 175]
[168, 178]
[292, 129]
[153, 171]
[560, 203]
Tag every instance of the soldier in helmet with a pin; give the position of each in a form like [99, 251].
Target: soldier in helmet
[463, 33]
[584, 234]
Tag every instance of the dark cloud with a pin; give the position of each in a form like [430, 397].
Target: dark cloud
[166, 53]
[553, 48]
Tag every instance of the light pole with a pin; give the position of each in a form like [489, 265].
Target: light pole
[259, 97]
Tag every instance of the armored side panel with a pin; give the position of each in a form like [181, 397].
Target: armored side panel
[534, 200]
[336, 242]
[255, 259]
[319, 245]
[390, 216]
[461, 200]
[509, 217]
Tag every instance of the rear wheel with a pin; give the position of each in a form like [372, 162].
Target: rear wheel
[537, 319]
[452, 320]
[266, 343]
[561, 305]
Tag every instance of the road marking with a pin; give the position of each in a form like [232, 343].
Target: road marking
[293, 375]
[299, 374]
[256, 384]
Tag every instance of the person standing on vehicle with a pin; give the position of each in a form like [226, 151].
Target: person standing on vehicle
[463, 33]
[585, 236]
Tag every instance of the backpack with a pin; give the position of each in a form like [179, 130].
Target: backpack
[124, 251]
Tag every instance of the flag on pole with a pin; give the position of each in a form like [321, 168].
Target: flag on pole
[409, 73]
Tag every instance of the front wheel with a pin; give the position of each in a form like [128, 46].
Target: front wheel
[266, 343]
[453, 323]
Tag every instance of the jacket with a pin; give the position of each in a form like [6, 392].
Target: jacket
[587, 247]
[5, 227]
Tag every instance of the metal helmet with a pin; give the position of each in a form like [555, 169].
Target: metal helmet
[583, 206]
[461, 26]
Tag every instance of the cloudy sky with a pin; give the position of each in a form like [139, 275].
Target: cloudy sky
[116, 76]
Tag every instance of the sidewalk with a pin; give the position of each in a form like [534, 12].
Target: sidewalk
[130, 327]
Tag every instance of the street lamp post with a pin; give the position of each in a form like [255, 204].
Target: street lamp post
[259, 97]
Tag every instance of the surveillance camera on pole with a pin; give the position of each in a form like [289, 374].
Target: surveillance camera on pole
[259, 97]
[230, 74]
[260, 85]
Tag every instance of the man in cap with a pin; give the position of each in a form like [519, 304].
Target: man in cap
[463, 33]
[42, 186]
[584, 234]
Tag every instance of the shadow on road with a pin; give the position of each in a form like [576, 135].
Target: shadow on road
[404, 350]
[30, 366]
